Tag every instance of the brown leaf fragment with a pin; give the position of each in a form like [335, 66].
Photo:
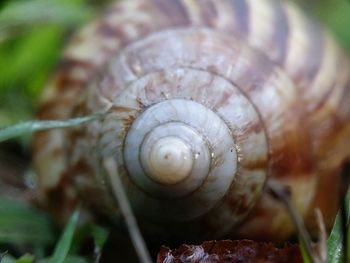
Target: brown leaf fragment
[236, 251]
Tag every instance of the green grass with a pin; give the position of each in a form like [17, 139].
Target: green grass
[334, 242]
[32, 36]
[34, 126]
[23, 225]
[20, 223]
[64, 244]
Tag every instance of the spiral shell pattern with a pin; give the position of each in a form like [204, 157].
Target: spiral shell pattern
[233, 59]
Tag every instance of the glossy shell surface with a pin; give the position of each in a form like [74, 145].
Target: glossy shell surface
[279, 84]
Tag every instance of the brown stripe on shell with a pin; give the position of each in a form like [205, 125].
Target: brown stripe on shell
[281, 34]
[256, 74]
[269, 28]
[330, 128]
[330, 140]
[209, 13]
[73, 77]
[293, 156]
[259, 164]
[58, 108]
[343, 108]
[68, 64]
[109, 31]
[246, 160]
[329, 97]
[252, 128]
[174, 11]
[223, 16]
[342, 79]
[325, 79]
[328, 121]
[241, 12]
[66, 83]
[41, 138]
[129, 21]
[321, 103]
[76, 134]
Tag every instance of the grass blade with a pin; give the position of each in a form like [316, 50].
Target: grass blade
[25, 259]
[304, 253]
[33, 126]
[8, 259]
[64, 244]
[20, 224]
[100, 236]
[126, 210]
[75, 259]
[334, 242]
[21, 15]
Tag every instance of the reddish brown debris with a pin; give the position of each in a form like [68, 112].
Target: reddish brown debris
[230, 251]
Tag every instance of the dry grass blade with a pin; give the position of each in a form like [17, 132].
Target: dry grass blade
[34, 126]
[321, 246]
[125, 208]
[2, 255]
[282, 194]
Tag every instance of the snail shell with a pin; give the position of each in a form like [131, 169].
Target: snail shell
[206, 101]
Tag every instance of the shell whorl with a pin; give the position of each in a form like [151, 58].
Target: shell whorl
[198, 131]
[203, 134]
[190, 105]
[269, 75]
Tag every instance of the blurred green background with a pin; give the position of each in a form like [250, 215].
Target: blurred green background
[32, 36]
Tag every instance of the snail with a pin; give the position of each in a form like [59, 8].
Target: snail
[207, 102]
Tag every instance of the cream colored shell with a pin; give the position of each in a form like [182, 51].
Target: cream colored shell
[272, 92]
